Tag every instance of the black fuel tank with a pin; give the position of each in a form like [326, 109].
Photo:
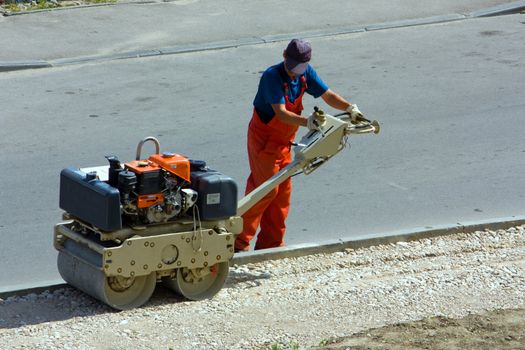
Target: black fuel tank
[90, 199]
[217, 193]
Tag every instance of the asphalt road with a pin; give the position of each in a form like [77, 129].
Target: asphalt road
[450, 98]
[137, 25]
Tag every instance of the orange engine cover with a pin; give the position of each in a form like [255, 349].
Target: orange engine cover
[141, 166]
[174, 163]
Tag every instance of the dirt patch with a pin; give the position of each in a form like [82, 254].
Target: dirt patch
[500, 329]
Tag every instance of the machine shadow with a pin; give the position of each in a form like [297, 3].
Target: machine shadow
[236, 279]
[59, 305]
[67, 303]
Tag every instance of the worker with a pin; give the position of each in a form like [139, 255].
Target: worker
[275, 120]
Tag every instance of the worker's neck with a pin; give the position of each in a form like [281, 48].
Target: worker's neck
[291, 74]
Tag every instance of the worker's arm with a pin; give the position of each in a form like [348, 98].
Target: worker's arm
[288, 117]
[334, 100]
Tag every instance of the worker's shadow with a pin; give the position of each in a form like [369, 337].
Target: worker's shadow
[66, 302]
[236, 279]
[244, 279]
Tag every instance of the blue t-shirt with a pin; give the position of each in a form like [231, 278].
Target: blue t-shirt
[271, 89]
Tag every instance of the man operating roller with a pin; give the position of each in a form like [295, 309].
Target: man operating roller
[275, 120]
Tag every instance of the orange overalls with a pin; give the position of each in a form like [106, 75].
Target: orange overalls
[269, 152]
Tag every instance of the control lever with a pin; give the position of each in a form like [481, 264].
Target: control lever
[320, 112]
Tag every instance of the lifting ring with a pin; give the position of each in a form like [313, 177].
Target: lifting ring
[149, 138]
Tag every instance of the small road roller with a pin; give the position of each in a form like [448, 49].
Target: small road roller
[167, 218]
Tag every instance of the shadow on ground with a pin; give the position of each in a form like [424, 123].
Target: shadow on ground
[67, 302]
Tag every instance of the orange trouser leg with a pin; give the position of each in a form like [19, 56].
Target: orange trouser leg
[252, 218]
[273, 219]
[270, 212]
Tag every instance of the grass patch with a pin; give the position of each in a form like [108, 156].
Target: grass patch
[26, 6]
[292, 346]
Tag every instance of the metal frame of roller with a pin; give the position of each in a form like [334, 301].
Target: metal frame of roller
[122, 267]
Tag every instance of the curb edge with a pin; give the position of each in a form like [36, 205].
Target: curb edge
[362, 241]
[323, 247]
[503, 9]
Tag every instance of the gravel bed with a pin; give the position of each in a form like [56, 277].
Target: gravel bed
[304, 301]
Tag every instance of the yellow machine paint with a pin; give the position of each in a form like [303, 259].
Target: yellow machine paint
[167, 240]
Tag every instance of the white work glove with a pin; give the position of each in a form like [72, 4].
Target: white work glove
[354, 112]
[316, 120]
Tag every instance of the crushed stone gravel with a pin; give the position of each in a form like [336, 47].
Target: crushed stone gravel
[302, 300]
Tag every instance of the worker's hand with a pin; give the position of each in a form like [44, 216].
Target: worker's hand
[354, 113]
[316, 120]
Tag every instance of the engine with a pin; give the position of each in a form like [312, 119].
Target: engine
[153, 190]
[162, 188]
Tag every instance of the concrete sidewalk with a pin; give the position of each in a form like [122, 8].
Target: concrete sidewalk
[138, 29]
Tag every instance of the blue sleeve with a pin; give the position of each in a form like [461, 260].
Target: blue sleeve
[316, 86]
[270, 88]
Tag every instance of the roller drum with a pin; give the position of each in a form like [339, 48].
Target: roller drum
[81, 267]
